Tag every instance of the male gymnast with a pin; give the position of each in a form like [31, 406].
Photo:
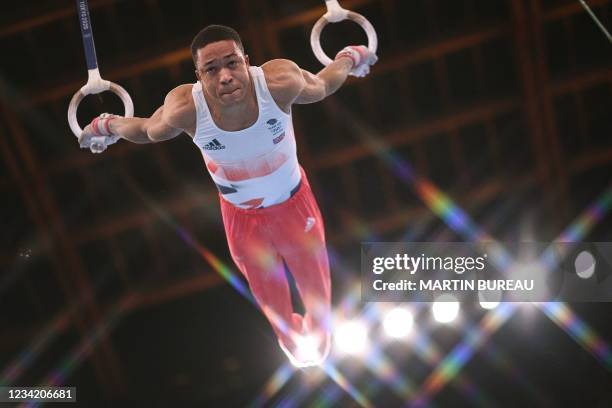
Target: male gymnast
[239, 116]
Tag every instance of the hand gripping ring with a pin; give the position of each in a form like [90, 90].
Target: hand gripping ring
[86, 90]
[336, 13]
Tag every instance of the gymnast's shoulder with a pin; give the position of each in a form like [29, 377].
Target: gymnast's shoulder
[179, 109]
[281, 71]
[284, 79]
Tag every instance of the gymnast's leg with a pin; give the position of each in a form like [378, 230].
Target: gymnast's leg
[262, 266]
[299, 236]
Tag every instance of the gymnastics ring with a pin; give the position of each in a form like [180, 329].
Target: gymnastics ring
[336, 13]
[95, 84]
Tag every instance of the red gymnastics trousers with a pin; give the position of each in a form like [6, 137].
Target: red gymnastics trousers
[292, 231]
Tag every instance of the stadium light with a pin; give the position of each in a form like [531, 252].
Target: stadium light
[398, 322]
[445, 309]
[351, 337]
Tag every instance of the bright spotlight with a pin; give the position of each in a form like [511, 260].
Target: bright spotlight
[445, 309]
[351, 337]
[489, 299]
[398, 322]
[585, 264]
[489, 305]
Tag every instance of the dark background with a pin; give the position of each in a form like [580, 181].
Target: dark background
[504, 105]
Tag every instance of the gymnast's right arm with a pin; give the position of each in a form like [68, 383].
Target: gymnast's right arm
[168, 121]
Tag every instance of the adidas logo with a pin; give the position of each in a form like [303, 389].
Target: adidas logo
[214, 145]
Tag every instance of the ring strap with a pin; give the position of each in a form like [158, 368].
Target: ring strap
[95, 84]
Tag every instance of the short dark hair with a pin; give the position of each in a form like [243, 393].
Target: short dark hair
[211, 34]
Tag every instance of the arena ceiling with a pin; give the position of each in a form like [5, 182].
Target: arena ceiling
[106, 259]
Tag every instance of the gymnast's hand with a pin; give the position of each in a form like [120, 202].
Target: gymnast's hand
[97, 136]
[362, 58]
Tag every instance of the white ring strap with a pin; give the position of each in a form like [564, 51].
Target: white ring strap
[334, 14]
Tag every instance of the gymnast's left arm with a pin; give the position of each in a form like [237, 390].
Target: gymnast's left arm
[290, 84]
[352, 60]
[326, 82]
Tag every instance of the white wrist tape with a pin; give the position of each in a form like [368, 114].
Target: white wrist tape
[362, 59]
[101, 125]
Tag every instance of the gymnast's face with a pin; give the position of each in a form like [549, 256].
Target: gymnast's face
[222, 68]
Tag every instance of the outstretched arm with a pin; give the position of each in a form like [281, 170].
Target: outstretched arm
[168, 121]
[143, 130]
[326, 82]
[290, 84]
[149, 130]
